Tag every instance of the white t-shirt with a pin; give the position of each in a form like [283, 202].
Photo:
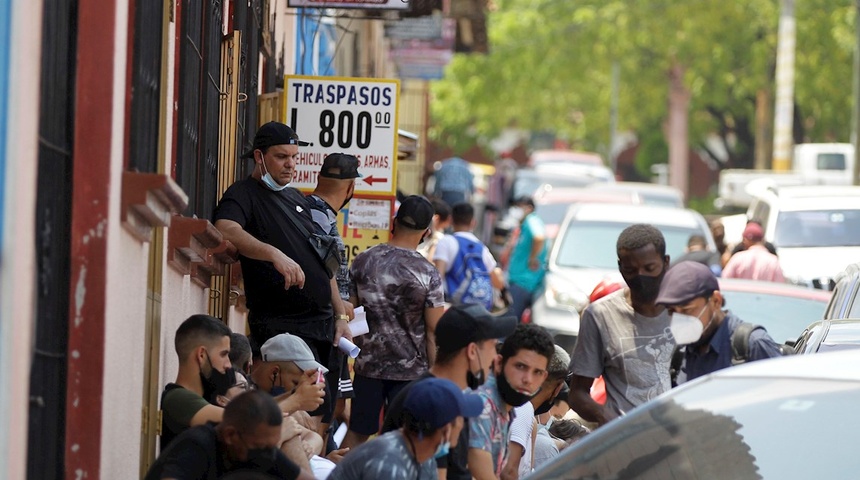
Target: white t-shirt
[522, 429]
[447, 249]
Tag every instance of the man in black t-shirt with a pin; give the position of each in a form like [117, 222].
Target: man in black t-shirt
[245, 440]
[287, 286]
[466, 337]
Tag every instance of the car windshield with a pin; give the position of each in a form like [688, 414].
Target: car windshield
[726, 428]
[527, 184]
[784, 317]
[551, 213]
[592, 244]
[661, 200]
[818, 228]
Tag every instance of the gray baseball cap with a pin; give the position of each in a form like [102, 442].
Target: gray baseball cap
[290, 348]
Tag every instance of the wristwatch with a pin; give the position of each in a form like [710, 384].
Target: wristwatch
[342, 316]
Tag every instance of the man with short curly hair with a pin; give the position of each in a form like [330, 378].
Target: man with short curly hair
[625, 335]
[519, 371]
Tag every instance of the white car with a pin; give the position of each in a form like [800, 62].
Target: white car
[584, 253]
[815, 229]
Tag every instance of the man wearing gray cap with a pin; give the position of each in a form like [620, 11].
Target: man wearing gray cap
[714, 337]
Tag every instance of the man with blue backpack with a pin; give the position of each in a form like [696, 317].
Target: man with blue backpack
[467, 266]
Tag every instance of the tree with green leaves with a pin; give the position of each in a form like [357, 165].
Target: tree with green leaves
[550, 62]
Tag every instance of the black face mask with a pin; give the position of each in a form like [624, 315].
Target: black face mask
[475, 380]
[217, 383]
[261, 459]
[645, 288]
[543, 407]
[509, 394]
[277, 389]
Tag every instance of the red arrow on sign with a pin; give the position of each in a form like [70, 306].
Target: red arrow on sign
[370, 180]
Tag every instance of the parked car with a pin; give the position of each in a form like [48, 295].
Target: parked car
[815, 229]
[529, 181]
[564, 156]
[551, 204]
[783, 310]
[844, 302]
[584, 253]
[829, 335]
[646, 193]
[790, 417]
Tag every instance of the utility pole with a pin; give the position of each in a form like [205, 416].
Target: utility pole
[784, 110]
[855, 113]
[613, 116]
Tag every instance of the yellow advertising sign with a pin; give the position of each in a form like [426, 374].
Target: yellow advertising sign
[365, 223]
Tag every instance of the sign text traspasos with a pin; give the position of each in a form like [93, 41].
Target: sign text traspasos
[357, 116]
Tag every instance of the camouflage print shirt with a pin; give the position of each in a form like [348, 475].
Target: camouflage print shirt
[394, 285]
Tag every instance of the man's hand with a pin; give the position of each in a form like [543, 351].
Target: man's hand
[534, 264]
[289, 429]
[307, 395]
[349, 308]
[337, 455]
[292, 272]
[341, 329]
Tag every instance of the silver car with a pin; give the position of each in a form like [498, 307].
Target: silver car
[584, 253]
[790, 417]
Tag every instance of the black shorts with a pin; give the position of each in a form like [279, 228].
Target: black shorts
[371, 394]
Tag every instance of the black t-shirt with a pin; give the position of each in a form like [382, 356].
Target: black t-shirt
[457, 459]
[196, 454]
[259, 211]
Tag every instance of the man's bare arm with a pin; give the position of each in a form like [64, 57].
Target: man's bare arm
[481, 464]
[209, 413]
[431, 318]
[581, 402]
[252, 248]
[511, 470]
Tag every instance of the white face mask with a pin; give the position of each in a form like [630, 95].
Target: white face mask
[517, 213]
[270, 182]
[687, 329]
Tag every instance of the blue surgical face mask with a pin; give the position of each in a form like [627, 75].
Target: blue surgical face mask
[442, 450]
[270, 182]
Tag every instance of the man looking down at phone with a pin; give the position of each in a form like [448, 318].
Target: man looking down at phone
[289, 372]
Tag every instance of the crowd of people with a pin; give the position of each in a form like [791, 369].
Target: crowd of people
[448, 383]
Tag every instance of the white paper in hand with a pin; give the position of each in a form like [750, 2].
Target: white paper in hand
[358, 325]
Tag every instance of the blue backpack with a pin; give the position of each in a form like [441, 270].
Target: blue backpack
[468, 281]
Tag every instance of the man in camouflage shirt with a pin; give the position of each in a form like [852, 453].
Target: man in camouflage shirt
[403, 298]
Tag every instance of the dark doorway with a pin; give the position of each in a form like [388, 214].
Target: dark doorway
[46, 437]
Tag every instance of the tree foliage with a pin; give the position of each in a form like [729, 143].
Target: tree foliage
[550, 65]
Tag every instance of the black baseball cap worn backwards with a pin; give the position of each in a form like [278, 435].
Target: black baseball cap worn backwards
[340, 166]
[463, 324]
[415, 212]
[274, 133]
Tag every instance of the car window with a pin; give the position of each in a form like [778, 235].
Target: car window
[551, 213]
[661, 200]
[528, 183]
[592, 244]
[783, 317]
[726, 428]
[831, 161]
[818, 228]
[840, 291]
